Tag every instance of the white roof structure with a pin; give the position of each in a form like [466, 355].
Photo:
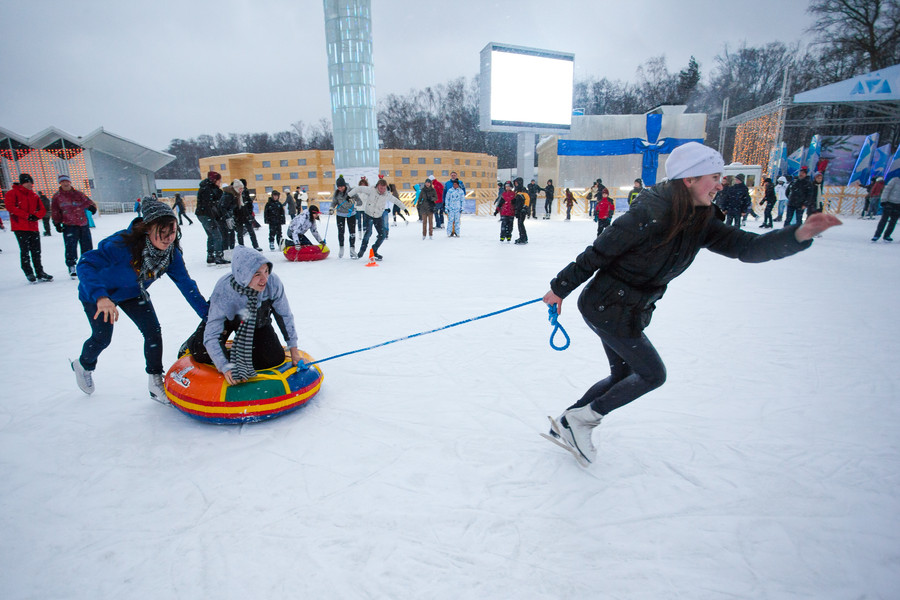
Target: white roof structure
[878, 86]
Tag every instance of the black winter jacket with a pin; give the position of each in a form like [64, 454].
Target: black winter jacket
[273, 213]
[208, 200]
[737, 199]
[631, 265]
[801, 192]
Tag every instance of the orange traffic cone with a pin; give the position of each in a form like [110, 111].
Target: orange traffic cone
[372, 262]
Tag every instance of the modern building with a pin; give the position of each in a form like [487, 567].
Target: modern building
[107, 167]
[313, 170]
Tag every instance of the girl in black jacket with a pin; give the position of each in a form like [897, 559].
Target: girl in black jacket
[632, 262]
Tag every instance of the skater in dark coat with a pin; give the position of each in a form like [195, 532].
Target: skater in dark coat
[506, 209]
[273, 216]
[521, 205]
[549, 192]
[769, 200]
[633, 261]
[116, 276]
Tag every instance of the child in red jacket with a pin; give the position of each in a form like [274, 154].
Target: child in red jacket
[603, 212]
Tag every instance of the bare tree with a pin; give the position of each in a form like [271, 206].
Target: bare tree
[864, 33]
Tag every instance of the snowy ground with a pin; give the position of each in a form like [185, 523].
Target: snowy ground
[766, 467]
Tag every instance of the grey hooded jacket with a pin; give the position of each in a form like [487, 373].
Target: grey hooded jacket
[226, 303]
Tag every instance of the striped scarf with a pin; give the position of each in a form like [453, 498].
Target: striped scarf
[242, 348]
[154, 264]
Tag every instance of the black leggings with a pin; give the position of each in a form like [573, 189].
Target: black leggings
[351, 225]
[635, 368]
[267, 349]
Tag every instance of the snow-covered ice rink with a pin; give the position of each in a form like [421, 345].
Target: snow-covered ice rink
[766, 467]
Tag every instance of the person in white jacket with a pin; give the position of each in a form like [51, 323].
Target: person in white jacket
[305, 221]
[781, 196]
[375, 200]
[890, 206]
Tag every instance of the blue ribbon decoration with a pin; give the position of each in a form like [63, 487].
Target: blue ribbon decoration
[650, 148]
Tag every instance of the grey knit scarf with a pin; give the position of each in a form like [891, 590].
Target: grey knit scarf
[155, 262]
[242, 348]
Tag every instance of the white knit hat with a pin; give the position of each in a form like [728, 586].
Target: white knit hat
[693, 160]
[237, 184]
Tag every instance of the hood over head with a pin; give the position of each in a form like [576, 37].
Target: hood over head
[245, 262]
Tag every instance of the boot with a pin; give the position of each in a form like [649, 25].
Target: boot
[341, 252]
[157, 390]
[210, 259]
[353, 253]
[577, 425]
[44, 277]
[83, 377]
[221, 260]
[271, 245]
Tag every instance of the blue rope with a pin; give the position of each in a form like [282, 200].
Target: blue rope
[409, 337]
[554, 320]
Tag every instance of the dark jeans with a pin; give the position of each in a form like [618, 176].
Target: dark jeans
[438, 214]
[548, 204]
[213, 235]
[351, 226]
[181, 214]
[142, 314]
[520, 221]
[890, 212]
[73, 237]
[275, 233]
[506, 227]
[30, 251]
[368, 222]
[767, 217]
[47, 223]
[602, 224]
[241, 226]
[733, 220]
[790, 212]
[635, 368]
[267, 349]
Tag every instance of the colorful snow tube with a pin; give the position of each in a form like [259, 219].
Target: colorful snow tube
[306, 253]
[201, 392]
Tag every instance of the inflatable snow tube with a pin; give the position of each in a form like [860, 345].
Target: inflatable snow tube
[306, 253]
[201, 392]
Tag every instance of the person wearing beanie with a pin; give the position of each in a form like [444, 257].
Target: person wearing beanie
[244, 218]
[181, 210]
[374, 201]
[243, 303]
[68, 209]
[344, 209]
[425, 205]
[273, 216]
[521, 202]
[630, 266]
[781, 196]
[305, 221]
[117, 275]
[211, 217]
[25, 212]
[46, 218]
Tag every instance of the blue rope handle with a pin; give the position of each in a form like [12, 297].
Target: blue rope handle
[554, 320]
[408, 337]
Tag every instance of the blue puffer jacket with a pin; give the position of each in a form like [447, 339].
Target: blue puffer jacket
[227, 304]
[107, 271]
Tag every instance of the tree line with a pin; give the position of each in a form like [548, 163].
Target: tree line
[849, 37]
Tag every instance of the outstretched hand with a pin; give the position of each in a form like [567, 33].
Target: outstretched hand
[552, 299]
[815, 225]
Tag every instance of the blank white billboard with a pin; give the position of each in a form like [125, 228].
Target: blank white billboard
[526, 89]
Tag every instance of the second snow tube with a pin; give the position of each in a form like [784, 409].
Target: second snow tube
[306, 253]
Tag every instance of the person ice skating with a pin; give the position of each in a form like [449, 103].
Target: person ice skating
[70, 219]
[273, 216]
[635, 191]
[117, 275]
[25, 211]
[890, 210]
[521, 205]
[453, 204]
[533, 189]
[305, 221]
[769, 200]
[603, 212]
[781, 197]
[438, 202]
[426, 204]
[243, 217]
[344, 209]
[570, 202]
[374, 202]
[48, 211]
[210, 216]
[181, 210]
[507, 210]
[442, 190]
[243, 303]
[873, 198]
[631, 265]
[799, 193]
[737, 201]
[396, 210]
[549, 192]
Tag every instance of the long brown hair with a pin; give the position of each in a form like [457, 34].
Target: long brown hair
[134, 239]
[685, 216]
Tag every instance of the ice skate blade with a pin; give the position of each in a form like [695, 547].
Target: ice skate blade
[562, 443]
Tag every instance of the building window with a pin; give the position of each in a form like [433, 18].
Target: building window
[267, 164]
[398, 173]
[311, 175]
[456, 162]
[222, 167]
[301, 162]
[445, 173]
[283, 163]
[268, 189]
[406, 186]
[478, 163]
[468, 162]
[295, 175]
[437, 161]
[429, 172]
[258, 177]
[421, 160]
[276, 176]
[413, 173]
[405, 160]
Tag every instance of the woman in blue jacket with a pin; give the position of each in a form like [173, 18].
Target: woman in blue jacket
[116, 276]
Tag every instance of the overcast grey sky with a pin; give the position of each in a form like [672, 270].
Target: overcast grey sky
[156, 70]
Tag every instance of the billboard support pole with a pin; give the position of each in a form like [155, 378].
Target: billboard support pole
[525, 148]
